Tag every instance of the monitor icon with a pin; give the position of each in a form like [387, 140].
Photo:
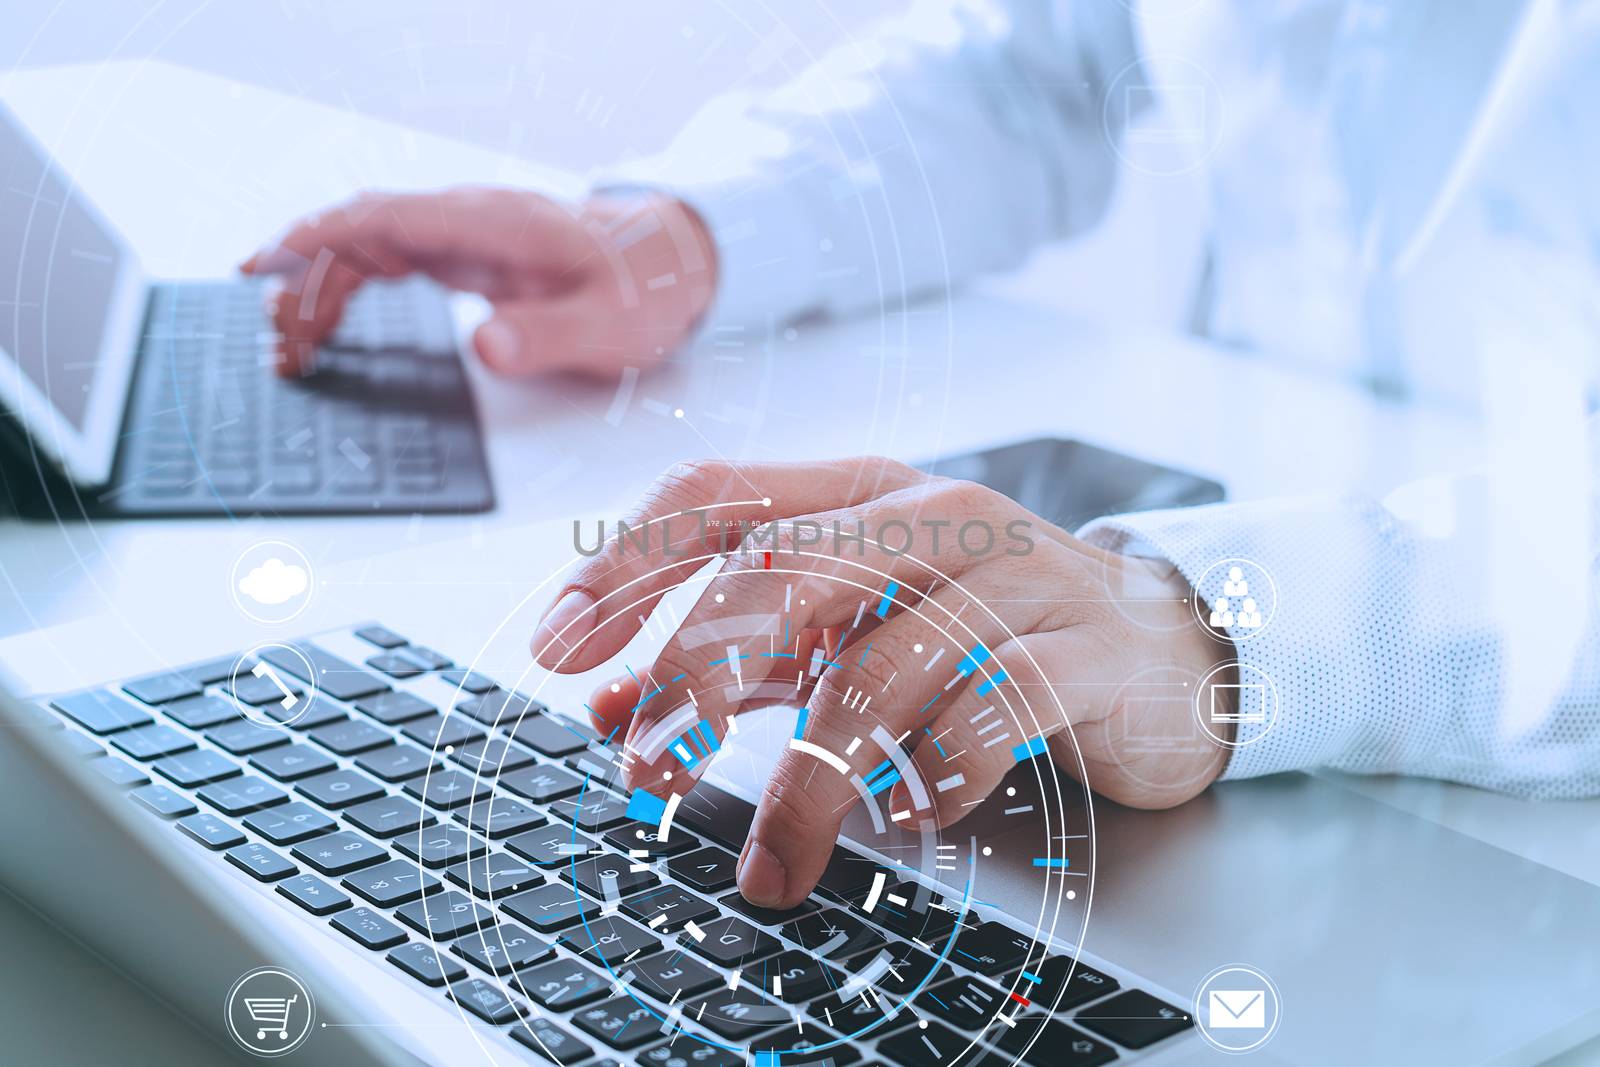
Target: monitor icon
[1240, 702]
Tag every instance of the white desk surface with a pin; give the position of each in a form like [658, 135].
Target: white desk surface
[199, 171]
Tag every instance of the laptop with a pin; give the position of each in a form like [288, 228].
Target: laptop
[123, 396]
[448, 870]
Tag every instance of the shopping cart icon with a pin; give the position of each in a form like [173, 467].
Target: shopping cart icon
[270, 1013]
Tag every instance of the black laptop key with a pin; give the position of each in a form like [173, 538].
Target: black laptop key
[766, 916]
[671, 976]
[550, 846]
[834, 934]
[907, 968]
[289, 824]
[709, 870]
[199, 712]
[1049, 1042]
[738, 1014]
[794, 977]
[338, 853]
[258, 689]
[847, 878]
[369, 929]
[395, 665]
[381, 636]
[192, 769]
[119, 772]
[289, 763]
[391, 884]
[609, 877]
[240, 796]
[387, 816]
[612, 941]
[732, 942]
[339, 789]
[932, 1046]
[313, 894]
[334, 676]
[151, 742]
[1134, 1018]
[101, 712]
[394, 707]
[1084, 984]
[350, 737]
[551, 1041]
[498, 817]
[563, 984]
[210, 831]
[445, 916]
[620, 1022]
[499, 707]
[965, 1003]
[540, 783]
[495, 875]
[990, 948]
[471, 681]
[550, 908]
[397, 763]
[163, 801]
[243, 737]
[440, 846]
[427, 658]
[260, 862]
[644, 841]
[919, 918]
[864, 1011]
[553, 735]
[485, 1000]
[666, 908]
[160, 688]
[493, 757]
[447, 789]
[810, 1046]
[298, 716]
[502, 949]
[593, 811]
[211, 672]
[717, 815]
[426, 963]
[438, 732]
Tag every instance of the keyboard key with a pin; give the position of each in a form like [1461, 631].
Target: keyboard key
[369, 928]
[238, 796]
[562, 984]
[732, 942]
[672, 976]
[440, 846]
[499, 707]
[338, 853]
[1134, 1019]
[197, 713]
[709, 870]
[211, 672]
[471, 681]
[211, 831]
[551, 1041]
[313, 894]
[492, 757]
[193, 769]
[593, 811]
[612, 941]
[151, 742]
[381, 636]
[391, 884]
[447, 789]
[814, 1046]
[502, 949]
[907, 969]
[620, 1022]
[244, 737]
[859, 1014]
[794, 977]
[335, 677]
[1084, 985]
[847, 878]
[426, 964]
[288, 763]
[350, 736]
[160, 688]
[495, 875]
[119, 772]
[499, 817]
[299, 717]
[739, 1014]
[631, 837]
[438, 732]
[260, 861]
[427, 658]
[258, 689]
[445, 916]
[395, 665]
[668, 907]
[766, 916]
[339, 789]
[397, 763]
[552, 735]
[541, 784]
[389, 815]
[608, 877]
[163, 801]
[921, 918]
[932, 1046]
[1053, 1042]
[990, 948]
[101, 712]
[485, 1000]
[80, 746]
[834, 934]
[551, 845]
[964, 1003]
[720, 816]
[685, 1050]
[394, 707]
[550, 908]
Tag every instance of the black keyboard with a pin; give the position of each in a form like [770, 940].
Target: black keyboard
[529, 884]
[386, 424]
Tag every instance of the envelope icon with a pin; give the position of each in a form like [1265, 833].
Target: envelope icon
[1237, 1009]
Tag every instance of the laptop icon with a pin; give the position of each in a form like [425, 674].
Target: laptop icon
[127, 396]
[1244, 702]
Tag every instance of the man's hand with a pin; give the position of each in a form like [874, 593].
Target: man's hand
[1051, 617]
[614, 282]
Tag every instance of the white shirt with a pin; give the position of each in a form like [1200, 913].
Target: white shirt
[1403, 191]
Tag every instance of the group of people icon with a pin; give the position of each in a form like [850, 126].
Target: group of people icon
[1223, 615]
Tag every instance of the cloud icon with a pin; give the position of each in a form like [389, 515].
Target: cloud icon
[274, 582]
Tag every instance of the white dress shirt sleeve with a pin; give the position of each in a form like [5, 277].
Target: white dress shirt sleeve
[1389, 648]
[948, 143]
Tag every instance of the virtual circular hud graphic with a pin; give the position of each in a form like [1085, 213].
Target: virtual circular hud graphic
[691, 961]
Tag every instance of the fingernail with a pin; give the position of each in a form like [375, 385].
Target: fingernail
[563, 627]
[762, 878]
[498, 344]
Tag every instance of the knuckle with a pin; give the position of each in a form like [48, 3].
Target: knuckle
[692, 481]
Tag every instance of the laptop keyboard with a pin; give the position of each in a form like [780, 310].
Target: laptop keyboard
[386, 424]
[479, 842]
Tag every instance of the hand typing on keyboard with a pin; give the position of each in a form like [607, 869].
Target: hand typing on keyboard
[1048, 609]
[574, 287]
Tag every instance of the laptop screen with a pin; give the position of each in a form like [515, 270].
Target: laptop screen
[69, 293]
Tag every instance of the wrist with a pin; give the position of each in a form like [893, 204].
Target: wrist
[664, 250]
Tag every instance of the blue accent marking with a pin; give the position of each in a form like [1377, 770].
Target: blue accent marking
[934, 741]
[879, 769]
[653, 694]
[609, 736]
[635, 677]
[692, 739]
[646, 807]
[779, 655]
[989, 683]
[1045, 861]
[971, 661]
[928, 705]
[800, 723]
[680, 676]
[1030, 976]
[864, 652]
[888, 598]
[712, 744]
[1029, 749]
[883, 783]
[766, 1059]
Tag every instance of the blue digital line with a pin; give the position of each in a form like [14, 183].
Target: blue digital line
[888, 598]
[1046, 861]
[989, 683]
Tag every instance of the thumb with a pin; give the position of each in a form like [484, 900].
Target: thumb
[541, 335]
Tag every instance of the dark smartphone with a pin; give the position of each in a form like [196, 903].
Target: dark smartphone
[1068, 482]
